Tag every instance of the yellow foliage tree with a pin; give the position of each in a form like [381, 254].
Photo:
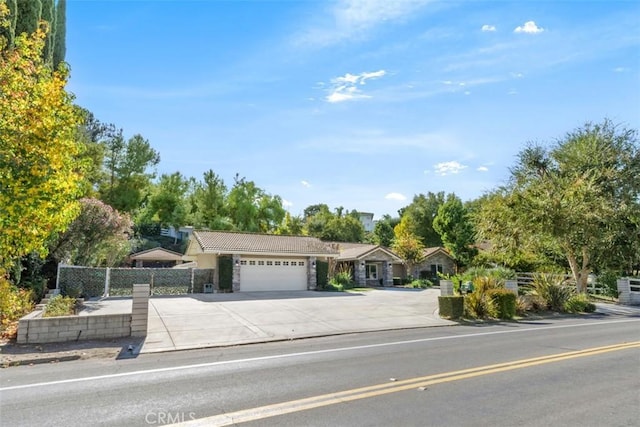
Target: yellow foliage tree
[40, 174]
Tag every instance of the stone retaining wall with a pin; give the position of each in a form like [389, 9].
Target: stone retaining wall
[34, 329]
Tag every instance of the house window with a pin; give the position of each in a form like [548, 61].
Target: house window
[293, 263]
[252, 263]
[244, 262]
[285, 263]
[260, 262]
[277, 262]
[435, 269]
[301, 263]
[269, 262]
[372, 271]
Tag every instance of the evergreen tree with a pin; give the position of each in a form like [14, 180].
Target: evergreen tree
[29, 13]
[48, 14]
[60, 33]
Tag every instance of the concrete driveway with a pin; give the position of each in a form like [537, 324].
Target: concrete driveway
[210, 320]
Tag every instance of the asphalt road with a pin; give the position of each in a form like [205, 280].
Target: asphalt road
[564, 372]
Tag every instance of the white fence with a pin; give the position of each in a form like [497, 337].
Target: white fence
[593, 287]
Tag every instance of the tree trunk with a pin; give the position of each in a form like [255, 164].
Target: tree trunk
[580, 272]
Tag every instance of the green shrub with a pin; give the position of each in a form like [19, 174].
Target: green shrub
[322, 274]
[225, 273]
[59, 306]
[579, 303]
[72, 290]
[553, 290]
[420, 284]
[451, 306]
[504, 302]
[342, 278]
[478, 305]
[609, 280]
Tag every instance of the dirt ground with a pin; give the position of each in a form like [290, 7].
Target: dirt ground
[14, 354]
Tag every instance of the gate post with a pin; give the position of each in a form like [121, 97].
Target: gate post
[140, 310]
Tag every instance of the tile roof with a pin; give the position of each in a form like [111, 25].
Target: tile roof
[237, 242]
[350, 251]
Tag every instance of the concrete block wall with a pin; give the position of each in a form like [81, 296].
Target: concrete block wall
[34, 329]
[140, 310]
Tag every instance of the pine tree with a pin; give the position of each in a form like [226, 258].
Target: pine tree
[28, 16]
[60, 41]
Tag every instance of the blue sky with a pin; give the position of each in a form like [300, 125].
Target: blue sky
[361, 104]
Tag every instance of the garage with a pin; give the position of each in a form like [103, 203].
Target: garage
[273, 274]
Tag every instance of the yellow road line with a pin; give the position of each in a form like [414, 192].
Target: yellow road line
[267, 411]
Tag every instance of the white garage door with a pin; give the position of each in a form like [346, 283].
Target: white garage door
[273, 274]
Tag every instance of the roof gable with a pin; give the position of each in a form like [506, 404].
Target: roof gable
[255, 243]
[157, 254]
[356, 251]
[429, 252]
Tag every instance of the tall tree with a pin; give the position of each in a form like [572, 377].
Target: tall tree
[49, 15]
[252, 209]
[28, 16]
[292, 225]
[60, 40]
[456, 230]
[8, 29]
[422, 210]
[383, 231]
[580, 195]
[40, 175]
[208, 203]
[407, 245]
[168, 200]
[130, 165]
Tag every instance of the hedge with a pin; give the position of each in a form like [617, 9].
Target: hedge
[505, 302]
[225, 273]
[451, 306]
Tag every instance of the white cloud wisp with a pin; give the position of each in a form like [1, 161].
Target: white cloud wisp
[345, 88]
[448, 168]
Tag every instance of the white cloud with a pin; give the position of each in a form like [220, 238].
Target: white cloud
[512, 92]
[305, 184]
[517, 75]
[620, 69]
[345, 88]
[483, 169]
[448, 168]
[354, 19]
[395, 196]
[286, 203]
[529, 27]
[488, 28]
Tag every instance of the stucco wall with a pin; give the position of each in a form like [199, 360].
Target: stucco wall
[207, 260]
